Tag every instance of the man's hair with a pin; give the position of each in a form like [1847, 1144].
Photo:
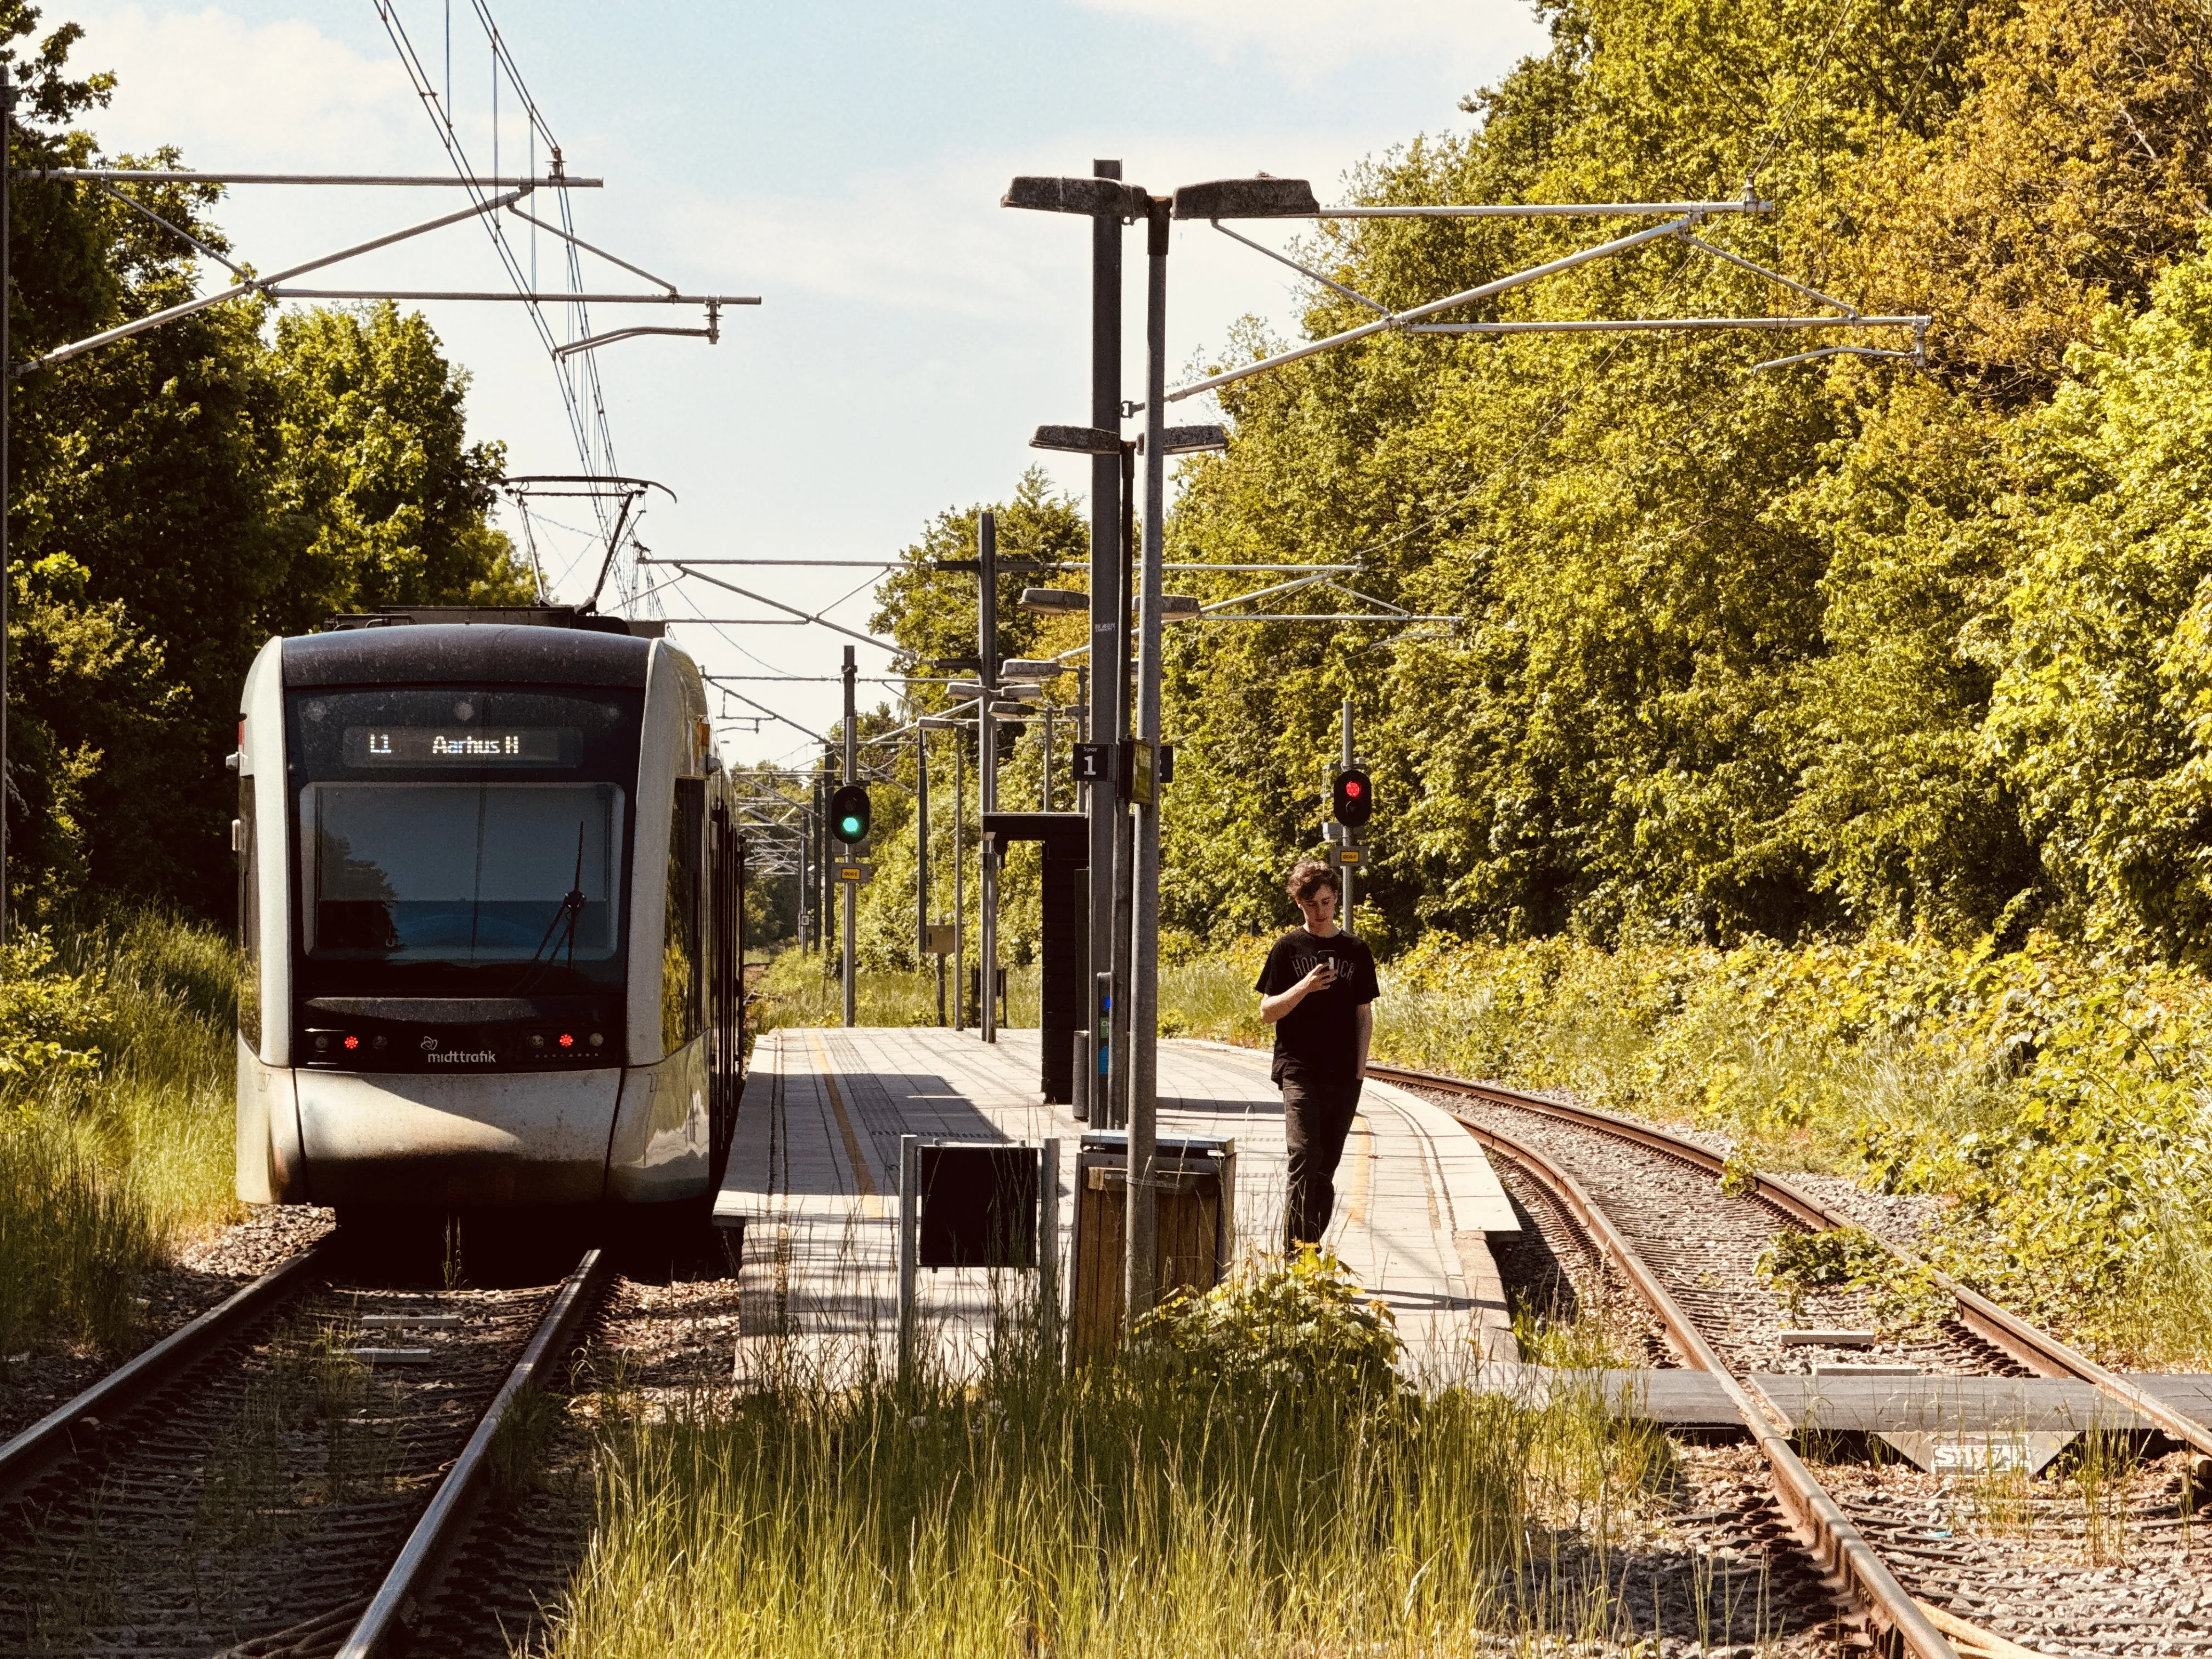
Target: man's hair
[1311, 876]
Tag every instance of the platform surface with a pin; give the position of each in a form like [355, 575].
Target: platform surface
[812, 1178]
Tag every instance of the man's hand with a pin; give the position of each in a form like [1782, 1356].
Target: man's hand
[1320, 977]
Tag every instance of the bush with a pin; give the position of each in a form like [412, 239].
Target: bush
[50, 1020]
[1279, 1325]
[2058, 1098]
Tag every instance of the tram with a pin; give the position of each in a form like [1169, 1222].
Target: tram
[491, 893]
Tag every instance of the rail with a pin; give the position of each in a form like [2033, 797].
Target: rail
[1833, 1538]
[431, 1546]
[2035, 1348]
[72, 1428]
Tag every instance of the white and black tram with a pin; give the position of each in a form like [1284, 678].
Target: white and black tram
[491, 897]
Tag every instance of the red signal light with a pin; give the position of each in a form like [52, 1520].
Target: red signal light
[353, 1042]
[1355, 796]
[567, 1041]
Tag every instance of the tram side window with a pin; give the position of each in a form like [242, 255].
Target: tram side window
[249, 920]
[680, 990]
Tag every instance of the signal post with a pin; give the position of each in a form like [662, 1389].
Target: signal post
[1352, 803]
[849, 818]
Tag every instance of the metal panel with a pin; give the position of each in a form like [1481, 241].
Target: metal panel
[485, 1137]
[661, 1143]
[436, 653]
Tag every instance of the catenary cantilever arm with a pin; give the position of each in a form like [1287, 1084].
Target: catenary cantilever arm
[1398, 319]
[62, 354]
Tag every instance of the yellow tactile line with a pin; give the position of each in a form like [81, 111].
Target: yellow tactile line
[863, 1178]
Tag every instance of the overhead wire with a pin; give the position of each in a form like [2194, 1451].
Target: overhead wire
[577, 376]
[1777, 134]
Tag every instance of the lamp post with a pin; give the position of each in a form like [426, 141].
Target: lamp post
[1231, 198]
[852, 887]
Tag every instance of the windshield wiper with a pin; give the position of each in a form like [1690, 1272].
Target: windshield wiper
[571, 911]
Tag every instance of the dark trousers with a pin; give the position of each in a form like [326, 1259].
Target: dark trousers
[1316, 1118]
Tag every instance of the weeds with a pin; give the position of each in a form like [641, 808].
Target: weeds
[521, 1445]
[1212, 1492]
[2101, 1467]
[117, 1143]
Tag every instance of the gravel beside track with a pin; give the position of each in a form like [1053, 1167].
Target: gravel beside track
[1706, 1244]
[2053, 1567]
[2102, 1554]
[35, 1380]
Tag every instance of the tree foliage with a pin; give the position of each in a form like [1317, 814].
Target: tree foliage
[1837, 646]
[1829, 646]
[178, 496]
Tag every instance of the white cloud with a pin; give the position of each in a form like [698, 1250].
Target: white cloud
[1306, 37]
[280, 96]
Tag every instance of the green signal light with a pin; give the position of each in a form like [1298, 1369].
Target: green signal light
[849, 814]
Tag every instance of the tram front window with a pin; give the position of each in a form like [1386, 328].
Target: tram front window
[464, 873]
[463, 841]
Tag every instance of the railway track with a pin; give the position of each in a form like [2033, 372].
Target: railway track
[294, 1474]
[2002, 1570]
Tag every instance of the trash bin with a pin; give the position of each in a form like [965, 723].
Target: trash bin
[1194, 1220]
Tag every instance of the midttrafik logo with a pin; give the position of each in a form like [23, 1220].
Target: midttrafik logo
[457, 1056]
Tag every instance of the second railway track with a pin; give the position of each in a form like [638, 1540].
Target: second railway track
[2113, 1563]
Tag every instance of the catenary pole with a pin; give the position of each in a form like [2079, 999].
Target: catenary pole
[1044, 796]
[1144, 1013]
[852, 887]
[1343, 870]
[804, 897]
[921, 850]
[1124, 825]
[1110, 606]
[959, 884]
[987, 787]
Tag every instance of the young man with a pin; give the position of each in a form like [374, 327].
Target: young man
[1317, 991]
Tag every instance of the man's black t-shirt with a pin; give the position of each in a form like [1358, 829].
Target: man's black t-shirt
[1320, 1037]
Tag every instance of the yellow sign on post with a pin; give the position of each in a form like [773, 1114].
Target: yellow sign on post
[856, 872]
[1347, 857]
[1142, 757]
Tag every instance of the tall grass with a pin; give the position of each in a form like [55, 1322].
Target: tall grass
[2061, 1105]
[1124, 1510]
[105, 1167]
[802, 988]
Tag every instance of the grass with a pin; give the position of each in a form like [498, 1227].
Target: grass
[802, 988]
[2059, 1107]
[1145, 1507]
[107, 1164]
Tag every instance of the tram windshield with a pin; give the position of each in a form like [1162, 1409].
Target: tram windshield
[465, 873]
[463, 841]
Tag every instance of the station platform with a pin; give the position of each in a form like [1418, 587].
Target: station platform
[813, 1182]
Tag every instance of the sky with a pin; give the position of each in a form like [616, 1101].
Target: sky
[843, 161]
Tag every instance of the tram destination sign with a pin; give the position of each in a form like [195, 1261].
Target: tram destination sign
[434, 746]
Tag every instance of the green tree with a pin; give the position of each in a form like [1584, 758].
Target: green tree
[178, 496]
[374, 469]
